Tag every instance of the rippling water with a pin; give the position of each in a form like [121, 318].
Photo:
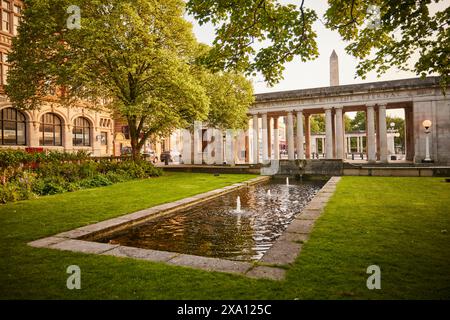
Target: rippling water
[216, 229]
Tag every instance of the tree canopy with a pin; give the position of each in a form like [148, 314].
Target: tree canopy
[262, 35]
[138, 55]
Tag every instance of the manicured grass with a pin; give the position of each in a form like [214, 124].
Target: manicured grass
[396, 223]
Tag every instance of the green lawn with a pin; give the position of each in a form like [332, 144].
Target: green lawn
[396, 223]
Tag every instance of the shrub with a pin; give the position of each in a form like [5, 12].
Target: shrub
[51, 185]
[96, 181]
[9, 193]
[25, 181]
[21, 178]
[72, 186]
[15, 158]
[116, 177]
[87, 169]
[140, 169]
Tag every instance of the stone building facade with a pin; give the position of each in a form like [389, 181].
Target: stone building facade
[52, 127]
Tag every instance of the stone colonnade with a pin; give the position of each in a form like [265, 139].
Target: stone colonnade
[298, 136]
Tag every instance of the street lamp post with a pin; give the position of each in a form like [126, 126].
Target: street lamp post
[427, 124]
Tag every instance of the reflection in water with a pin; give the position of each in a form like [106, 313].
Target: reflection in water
[218, 229]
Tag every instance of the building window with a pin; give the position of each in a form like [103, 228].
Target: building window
[6, 5]
[4, 67]
[104, 138]
[105, 123]
[16, 22]
[6, 16]
[50, 130]
[81, 132]
[13, 127]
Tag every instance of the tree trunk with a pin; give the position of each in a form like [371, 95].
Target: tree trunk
[135, 150]
[134, 137]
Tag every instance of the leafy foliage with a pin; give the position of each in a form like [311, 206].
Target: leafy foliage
[55, 173]
[406, 27]
[282, 31]
[262, 35]
[317, 123]
[137, 56]
[230, 95]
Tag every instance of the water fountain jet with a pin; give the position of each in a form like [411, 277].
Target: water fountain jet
[238, 204]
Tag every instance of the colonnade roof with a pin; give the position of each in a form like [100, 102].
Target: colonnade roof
[403, 84]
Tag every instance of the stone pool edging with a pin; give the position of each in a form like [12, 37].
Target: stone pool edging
[289, 245]
[271, 266]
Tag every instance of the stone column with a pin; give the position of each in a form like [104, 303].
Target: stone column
[255, 148]
[345, 145]
[382, 133]
[358, 149]
[377, 133]
[265, 139]
[300, 138]
[333, 131]
[290, 136]
[33, 134]
[198, 142]
[276, 139]
[307, 137]
[339, 133]
[68, 140]
[371, 143]
[329, 134]
[269, 138]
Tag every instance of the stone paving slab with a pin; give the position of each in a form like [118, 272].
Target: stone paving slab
[163, 207]
[143, 254]
[300, 226]
[210, 264]
[142, 214]
[282, 252]
[266, 273]
[309, 214]
[322, 198]
[83, 246]
[293, 237]
[73, 234]
[316, 205]
[45, 242]
[104, 225]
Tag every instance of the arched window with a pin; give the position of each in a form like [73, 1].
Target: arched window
[50, 130]
[13, 127]
[81, 132]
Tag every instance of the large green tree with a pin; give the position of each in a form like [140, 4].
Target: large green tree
[138, 55]
[230, 96]
[262, 35]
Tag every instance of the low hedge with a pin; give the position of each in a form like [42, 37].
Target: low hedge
[54, 175]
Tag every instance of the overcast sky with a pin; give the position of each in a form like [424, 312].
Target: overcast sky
[303, 75]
